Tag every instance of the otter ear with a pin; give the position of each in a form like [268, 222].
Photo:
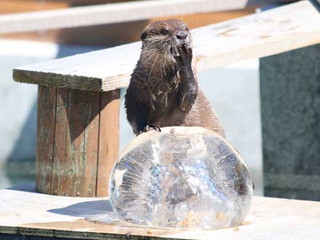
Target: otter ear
[143, 36]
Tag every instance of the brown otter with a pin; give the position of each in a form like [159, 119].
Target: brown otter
[163, 90]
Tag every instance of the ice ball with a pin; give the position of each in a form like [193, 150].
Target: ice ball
[181, 177]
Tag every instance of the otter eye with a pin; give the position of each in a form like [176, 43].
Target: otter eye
[164, 31]
[143, 36]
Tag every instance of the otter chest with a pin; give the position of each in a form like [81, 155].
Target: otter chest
[165, 108]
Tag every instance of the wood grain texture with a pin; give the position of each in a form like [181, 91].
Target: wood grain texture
[56, 216]
[91, 144]
[119, 33]
[108, 138]
[45, 137]
[78, 134]
[282, 29]
[59, 166]
[115, 13]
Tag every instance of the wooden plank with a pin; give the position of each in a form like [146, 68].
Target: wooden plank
[45, 137]
[67, 173]
[262, 34]
[18, 6]
[76, 143]
[56, 216]
[119, 33]
[91, 141]
[39, 139]
[59, 168]
[77, 160]
[114, 13]
[108, 138]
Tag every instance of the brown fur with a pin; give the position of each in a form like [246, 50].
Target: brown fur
[202, 115]
[163, 89]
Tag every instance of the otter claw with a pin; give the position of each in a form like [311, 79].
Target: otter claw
[184, 57]
[148, 128]
[175, 52]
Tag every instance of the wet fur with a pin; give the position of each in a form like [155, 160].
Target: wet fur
[163, 90]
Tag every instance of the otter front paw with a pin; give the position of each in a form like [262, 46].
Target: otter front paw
[184, 58]
[148, 128]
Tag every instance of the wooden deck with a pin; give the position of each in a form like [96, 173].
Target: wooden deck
[24, 212]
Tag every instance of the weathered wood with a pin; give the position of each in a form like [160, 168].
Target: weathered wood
[108, 138]
[45, 137]
[59, 165]
[115, 13]
[78, 132]
[91, 145]
[17, 6]
[282, 29]
[55, 216]
[119, 33]
[77, 161]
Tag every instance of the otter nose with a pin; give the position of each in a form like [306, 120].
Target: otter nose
[182, 35]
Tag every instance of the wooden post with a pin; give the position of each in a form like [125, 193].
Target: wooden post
[78, 141]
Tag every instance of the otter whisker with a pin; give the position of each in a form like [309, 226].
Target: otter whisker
[150, 57]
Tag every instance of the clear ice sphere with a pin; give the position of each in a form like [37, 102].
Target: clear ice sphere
[181, 177]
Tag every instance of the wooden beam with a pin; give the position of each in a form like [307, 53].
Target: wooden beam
[282, 29]
[19, 6]
[114, 13]
[120, 33]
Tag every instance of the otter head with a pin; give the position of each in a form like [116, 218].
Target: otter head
[166, 37]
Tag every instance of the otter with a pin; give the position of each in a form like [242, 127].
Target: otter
[163, 90]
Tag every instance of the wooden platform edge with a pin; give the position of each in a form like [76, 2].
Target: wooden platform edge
[28, 231]
[43, 215]
[58, 80]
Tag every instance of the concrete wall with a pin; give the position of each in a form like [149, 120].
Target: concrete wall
[290, 90]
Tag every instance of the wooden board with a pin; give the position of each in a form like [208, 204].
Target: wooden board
[115, 13]
[18, 6]
[282, 29]
[27, 213]
[78, 141]
[45, 137]
[59, 164]
[120, 33]
[108, 138]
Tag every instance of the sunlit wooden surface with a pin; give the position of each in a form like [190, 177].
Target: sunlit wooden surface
[24, 212]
